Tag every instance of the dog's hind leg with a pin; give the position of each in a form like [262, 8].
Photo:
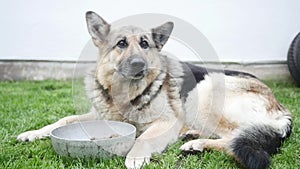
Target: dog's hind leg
[199, 145]
[45, 131]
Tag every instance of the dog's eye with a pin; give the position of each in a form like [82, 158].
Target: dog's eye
[122, 44]
[144, 44]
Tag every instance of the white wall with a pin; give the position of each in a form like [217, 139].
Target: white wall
[239, 30]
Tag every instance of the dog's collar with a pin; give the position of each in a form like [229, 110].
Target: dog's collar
[140, 101]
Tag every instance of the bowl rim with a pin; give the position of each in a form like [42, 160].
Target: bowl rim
[96, 139]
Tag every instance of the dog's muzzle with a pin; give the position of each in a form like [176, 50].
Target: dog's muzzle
[133, 68]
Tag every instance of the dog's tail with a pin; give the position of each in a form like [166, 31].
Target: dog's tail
[254, 145]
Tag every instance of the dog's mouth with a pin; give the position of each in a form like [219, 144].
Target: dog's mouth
[135, 76]
[139, 75]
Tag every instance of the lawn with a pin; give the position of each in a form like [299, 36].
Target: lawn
[30, 105]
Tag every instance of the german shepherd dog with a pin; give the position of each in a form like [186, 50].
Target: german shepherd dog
[164, 98]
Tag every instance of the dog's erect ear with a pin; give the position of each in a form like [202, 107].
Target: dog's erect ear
[161, 34]
[97, 26]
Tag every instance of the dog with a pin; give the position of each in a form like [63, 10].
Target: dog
[165, 98]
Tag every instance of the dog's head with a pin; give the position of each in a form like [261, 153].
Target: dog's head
[129, 51]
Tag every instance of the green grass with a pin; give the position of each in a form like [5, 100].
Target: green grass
[31, 105]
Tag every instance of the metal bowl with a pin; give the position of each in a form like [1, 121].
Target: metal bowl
[93, 139]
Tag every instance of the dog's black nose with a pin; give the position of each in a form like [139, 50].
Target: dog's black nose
[138, 67]
[135, 67]
[137, 64]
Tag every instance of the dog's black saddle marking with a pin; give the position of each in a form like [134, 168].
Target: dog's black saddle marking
[194, 74]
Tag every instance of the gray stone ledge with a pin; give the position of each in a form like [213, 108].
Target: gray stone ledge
[63, 70]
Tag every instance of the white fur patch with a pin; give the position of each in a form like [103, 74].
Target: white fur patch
[220, 96]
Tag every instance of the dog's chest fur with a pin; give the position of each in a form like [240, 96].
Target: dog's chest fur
[160, 100]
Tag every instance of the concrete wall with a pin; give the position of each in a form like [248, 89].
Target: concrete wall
[28, 70]
[239, 31]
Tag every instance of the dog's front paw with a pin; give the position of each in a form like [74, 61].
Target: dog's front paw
[136, 162]
[32, 135]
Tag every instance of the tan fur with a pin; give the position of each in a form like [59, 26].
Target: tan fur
[226, 126]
